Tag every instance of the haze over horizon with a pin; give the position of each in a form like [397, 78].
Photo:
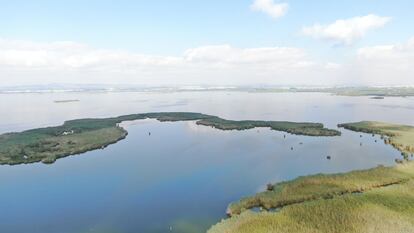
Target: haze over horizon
[216, 43]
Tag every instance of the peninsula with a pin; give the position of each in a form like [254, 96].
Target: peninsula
[78, 136]
[378, 200]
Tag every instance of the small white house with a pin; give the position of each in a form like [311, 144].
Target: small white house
[67, 132]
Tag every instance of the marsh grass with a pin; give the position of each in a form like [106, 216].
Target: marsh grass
[380, 209]
[384, 210]
[323, 187]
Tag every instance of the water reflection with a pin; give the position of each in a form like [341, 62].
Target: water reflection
[182, 176]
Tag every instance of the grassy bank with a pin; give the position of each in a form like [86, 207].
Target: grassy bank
[400, 137]
[328, 203]
[78, 136]
[320, 187]
[384, 210]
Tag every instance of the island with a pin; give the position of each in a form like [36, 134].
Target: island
[380, 199]
[78, 136]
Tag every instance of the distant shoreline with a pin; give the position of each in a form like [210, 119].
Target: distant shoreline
[65, 101]
[342, 91]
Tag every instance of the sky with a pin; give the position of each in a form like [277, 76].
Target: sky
[215, 42]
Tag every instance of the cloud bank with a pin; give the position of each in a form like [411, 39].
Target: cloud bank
[346, 31]
[26, 62]
[30, 62]
[387, 64]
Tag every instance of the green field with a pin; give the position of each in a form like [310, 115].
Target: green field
[78, 136]
[377, 200]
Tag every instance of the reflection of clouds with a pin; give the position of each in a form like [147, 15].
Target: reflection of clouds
[396, 106]
[348, 154]
[348, 105]
[191, 126]
[138, 101]
[169, 105]
[166, 104]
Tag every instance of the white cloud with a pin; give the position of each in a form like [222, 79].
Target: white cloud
[269, 7]
[24, 62]
[70, 55]
[387, 64]
[346, 31]
[227, 55]
[332, 65]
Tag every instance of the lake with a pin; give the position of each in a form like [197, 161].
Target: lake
[181, 177]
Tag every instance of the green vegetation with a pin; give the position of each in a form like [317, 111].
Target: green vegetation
[385, 210]
[319, 186]
[399, 136]
[310, 129]
[78, 136]
[375, 200]
[379, 200]
[49, 144]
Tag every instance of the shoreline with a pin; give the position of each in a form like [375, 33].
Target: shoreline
[82, 135]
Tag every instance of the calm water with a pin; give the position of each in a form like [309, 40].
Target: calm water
[183, 175]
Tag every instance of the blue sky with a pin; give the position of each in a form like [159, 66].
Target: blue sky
[169, 28]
